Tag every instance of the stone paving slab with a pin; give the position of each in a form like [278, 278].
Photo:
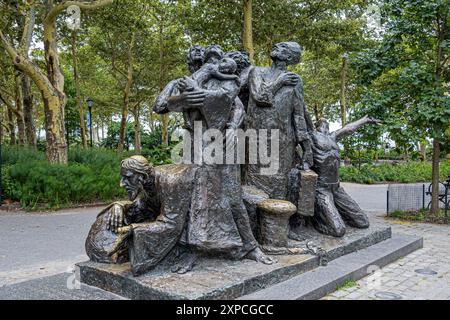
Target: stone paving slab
[400, 277]
[219, 278]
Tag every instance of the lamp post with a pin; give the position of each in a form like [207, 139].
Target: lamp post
[89, 102]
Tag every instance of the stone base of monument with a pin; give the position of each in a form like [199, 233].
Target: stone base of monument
[321, 281]
[225, 279]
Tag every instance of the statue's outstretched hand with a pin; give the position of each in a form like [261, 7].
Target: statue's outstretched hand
[370, 120]
[375, 121]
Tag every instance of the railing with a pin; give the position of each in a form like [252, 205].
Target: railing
[412, 197]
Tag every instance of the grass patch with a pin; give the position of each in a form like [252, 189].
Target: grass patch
[420, 216]
[347, 285]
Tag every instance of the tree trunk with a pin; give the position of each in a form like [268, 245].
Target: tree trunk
[54, 101]
[126, 97]
[56, 147]
[435, 177]
[11, 127]
[95, 134]
[51, 85]
[19, 109]
[247, 36]
[30, 128]
[137, 130]
[79, 103]
[405, 153]
[342, 92]
[423, 151]
[123, 121]
[164, 131]
[441, 32]
[162, 76]
[317, 112]
[151, 120]
[27, 23]
[342, 102]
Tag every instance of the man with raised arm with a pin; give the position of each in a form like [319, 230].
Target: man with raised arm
[334, 207]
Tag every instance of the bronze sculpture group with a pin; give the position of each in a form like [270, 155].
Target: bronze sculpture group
[182, 211]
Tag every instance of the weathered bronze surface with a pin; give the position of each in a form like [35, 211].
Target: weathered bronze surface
[274, 222]
[334, 208]
[218, 222]
[217, 278]
[145, 230]
[179, 216]
[276, 103]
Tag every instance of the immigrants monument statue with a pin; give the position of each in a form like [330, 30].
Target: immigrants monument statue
[218, 202]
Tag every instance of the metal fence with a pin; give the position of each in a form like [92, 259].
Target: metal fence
[409, 197]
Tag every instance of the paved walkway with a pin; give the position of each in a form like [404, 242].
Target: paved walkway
[402, 279]
[40, 244]
[35, 245]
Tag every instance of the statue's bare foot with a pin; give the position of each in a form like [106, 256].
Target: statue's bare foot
[185, 264]
[259, 256]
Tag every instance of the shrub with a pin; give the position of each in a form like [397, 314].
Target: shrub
[91, 176]
[37, 183]
[15, 154]
[96, 158]
[404, 173]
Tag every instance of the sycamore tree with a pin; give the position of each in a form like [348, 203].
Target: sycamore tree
[118, 34]
[142, 42]
[17, 22]
[407, 75]
[325, 29]
[51, 81]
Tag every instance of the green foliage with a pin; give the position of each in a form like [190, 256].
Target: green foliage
[158, 155]
[151, 142]
[405, 173]
[112, 139]
[38, 183]
[7, 184]
[405, 76]
[15, 154]
[92, 175]
[96, 158]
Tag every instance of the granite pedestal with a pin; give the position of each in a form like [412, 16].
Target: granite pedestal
[225, 279]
